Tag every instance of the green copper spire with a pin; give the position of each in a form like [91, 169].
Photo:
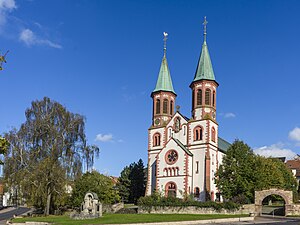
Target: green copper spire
[164, 82]
[204, 69]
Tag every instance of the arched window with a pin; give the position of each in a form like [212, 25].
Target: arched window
[165, 106]
[214, 99]
[213, 134]
[198, 133]
[157, 106]
[199, 97]
[197, 192]
[207, 96]
[156, 139]
[171, 107]
[171, 189]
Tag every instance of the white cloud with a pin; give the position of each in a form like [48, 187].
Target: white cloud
[5, 7]
[229, 115]
[275, 150]
[295, 134]
[104, 137]
[29, 38]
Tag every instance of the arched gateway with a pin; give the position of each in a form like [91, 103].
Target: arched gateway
[260, 195]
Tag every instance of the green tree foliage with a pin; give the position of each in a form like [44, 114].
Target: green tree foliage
[46, 153]
[94, 182]
[138, 181]
[4, 145]
[242, 172]
[274, 174]
[132, 182]
[124, 183]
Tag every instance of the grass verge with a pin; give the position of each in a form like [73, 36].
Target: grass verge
[126, 218]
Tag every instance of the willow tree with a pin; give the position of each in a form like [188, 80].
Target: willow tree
[46, 153]
[3, 147]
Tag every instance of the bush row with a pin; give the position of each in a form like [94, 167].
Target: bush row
[158, 201]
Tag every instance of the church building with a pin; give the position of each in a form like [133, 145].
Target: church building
[185, 152]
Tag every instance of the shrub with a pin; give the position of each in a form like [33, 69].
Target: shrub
[155, 200]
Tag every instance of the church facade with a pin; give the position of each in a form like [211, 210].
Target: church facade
[185, 152]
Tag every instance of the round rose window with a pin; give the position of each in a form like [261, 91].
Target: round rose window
[171, 157]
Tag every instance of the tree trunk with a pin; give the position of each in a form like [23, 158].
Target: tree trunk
[48, 203]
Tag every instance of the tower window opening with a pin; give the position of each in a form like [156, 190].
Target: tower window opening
[157, 106]
[165, 106]
[213, 134]
[197, 166]
[198, 133]
[207, 97]
[171, 107]
[156, 139]
[199, 97]
[214, 99]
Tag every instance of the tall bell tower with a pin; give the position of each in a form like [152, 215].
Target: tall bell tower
[163, 95]
[204, 86]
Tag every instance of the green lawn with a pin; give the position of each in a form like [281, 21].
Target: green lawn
[126, 218]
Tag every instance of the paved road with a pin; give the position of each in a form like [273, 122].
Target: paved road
[268, 221]
[10, 212]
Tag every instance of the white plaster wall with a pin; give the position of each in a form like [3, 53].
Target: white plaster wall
[198, 178]
[213, 170]
[198, 113]
[152, 163]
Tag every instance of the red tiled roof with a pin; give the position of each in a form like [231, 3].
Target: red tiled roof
[293, 164]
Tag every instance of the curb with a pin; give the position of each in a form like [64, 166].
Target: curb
[242, 219]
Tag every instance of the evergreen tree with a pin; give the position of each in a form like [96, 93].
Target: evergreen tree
[138, 182]
[124, 184]
[132, 182]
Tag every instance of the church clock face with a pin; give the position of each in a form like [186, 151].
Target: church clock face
[171, 157]
[157, 121]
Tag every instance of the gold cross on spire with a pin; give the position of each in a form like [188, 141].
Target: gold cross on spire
[165, 42]
[204, 24]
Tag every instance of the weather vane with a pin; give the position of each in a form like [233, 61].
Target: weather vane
[165, 42]
[2, 60]
[204, 24]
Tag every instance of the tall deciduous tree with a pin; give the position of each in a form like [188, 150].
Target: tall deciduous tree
[45, 153]
[242, 172]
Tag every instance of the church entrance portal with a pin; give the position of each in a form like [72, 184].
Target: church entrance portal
[171, 189]
[264, 202]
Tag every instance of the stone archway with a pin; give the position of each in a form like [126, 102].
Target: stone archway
[260, 195]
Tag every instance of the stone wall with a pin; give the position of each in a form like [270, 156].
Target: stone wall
[245, 209]
[112, 208]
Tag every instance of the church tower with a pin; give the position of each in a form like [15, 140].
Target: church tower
[204, 86]
[163, 95]
[205, 127]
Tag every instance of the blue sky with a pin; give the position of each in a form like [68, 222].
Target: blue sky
[101, 59]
